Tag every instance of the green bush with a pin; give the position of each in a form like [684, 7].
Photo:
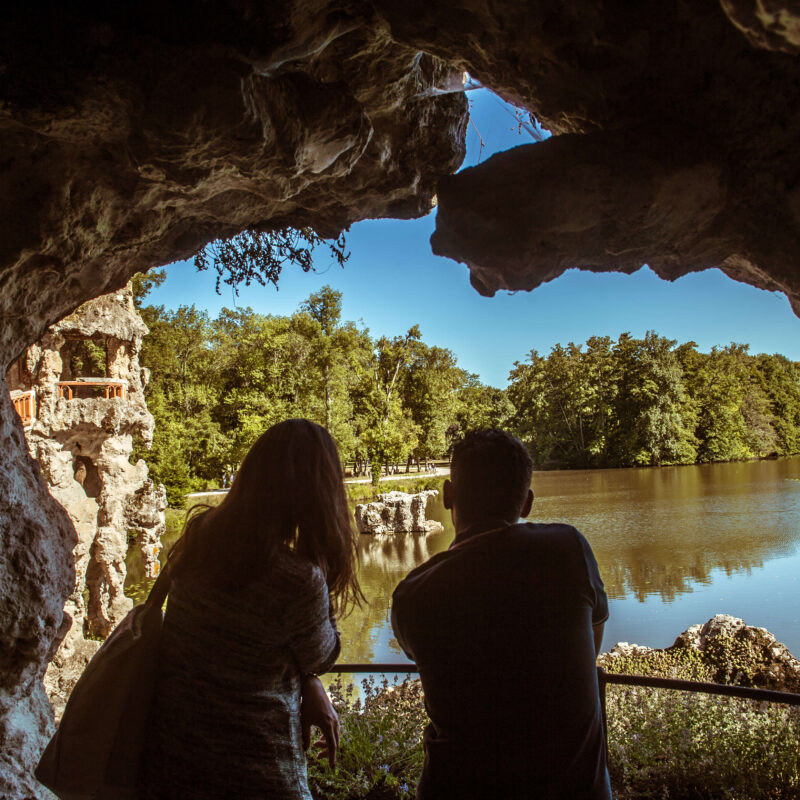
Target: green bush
[380, 755]
[663, 744]
[680, 745]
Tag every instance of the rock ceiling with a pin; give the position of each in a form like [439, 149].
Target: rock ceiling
[133, 134]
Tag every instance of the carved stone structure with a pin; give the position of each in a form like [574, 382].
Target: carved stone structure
[132, 138]
[397, 512]
[88, 388]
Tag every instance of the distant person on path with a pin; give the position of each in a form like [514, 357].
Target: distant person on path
[249, 623]
[505, 627]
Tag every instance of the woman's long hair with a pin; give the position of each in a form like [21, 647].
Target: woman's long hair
[288, 492]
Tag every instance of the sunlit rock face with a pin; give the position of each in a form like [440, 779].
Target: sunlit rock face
[734, 651]
[397, 512]
[81, 391]
[36, 575]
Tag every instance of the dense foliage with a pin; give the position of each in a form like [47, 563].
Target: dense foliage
[683, 745]
[216, 384]
[381, 743]
[637, 402]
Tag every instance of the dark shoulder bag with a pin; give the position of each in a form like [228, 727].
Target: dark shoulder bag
[96, 751]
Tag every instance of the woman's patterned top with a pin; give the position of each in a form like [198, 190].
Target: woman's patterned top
[226, 715]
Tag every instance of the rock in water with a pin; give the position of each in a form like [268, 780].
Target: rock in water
[769, 664]
[397, 512]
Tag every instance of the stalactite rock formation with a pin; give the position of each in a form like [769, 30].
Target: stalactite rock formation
[133, 135]
[676, 123]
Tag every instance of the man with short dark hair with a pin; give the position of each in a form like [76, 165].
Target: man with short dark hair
[505, 627]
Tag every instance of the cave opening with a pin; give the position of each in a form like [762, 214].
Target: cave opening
[84, 357]
[87, 475]
[132, 141]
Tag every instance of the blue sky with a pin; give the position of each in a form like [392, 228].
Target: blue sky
[393, 281]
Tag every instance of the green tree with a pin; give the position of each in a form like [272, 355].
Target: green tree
[339, 355]
[429, 388]
[386, 431]
[478, 406]
[719, 383]
[651, 404]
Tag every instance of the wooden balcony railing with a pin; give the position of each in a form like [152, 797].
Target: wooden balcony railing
[25, 405]
[90, 388]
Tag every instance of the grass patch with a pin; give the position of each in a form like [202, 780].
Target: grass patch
[366, 492]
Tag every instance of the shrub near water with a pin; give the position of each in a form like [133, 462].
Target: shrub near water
[663, 744]
[380, 754]
[672, 744]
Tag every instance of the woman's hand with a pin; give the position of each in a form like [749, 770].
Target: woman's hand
[316, 709]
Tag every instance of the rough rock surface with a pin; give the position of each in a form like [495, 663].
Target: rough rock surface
[83, 446]
[36, 573]
[679, 118]
[131, 140]
[776, 667]
[397, 512]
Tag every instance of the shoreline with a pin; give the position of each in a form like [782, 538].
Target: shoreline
[439, 472]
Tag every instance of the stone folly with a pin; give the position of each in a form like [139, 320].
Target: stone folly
[80, 394]
[397, 512]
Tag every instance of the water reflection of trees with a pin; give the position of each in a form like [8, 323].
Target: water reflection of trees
[632, 573]
[384, 562]
[655, 533]
[682, 559]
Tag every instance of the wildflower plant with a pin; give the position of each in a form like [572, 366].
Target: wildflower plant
[673, 745]
[663, 744]
[380, 755]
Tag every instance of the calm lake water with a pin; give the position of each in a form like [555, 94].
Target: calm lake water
[675, 546]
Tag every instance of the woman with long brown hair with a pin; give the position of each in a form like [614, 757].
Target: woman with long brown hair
[255, 585]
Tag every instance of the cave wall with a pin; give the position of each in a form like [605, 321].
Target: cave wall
[131, 135]
[129, 138]
[37, 574]
[680, 122]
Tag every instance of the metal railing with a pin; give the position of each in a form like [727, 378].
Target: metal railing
[605, 678]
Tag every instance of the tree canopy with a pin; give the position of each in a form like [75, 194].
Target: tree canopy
[217, 384]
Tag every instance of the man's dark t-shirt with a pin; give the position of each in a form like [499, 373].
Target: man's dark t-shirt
[500, 626]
